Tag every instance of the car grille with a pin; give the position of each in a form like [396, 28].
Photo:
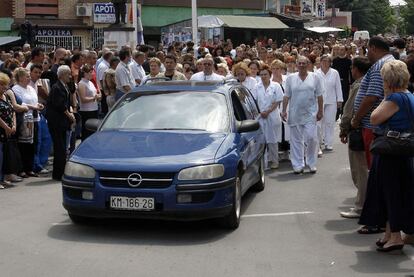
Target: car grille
[149, 179]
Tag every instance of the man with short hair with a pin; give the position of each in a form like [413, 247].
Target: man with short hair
[137, 70]
[400, 44]
[37, 57]
[371, 91]
[170, 69]
[207, 74]
[123, 77]
[303, 93]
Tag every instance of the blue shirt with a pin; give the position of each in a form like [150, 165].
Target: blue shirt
[371, 85]
[403, 119]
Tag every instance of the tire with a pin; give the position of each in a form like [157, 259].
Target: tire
[81, 220]
[232, 220]
[260, 185]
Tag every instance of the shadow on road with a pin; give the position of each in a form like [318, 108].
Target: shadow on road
[340, 225]
[145, 232]
[40, 182]
[374, 262]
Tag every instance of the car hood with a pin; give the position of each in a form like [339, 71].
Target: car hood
[107, 150]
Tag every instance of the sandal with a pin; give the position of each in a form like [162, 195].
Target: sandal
[32, 174]
[366, 230]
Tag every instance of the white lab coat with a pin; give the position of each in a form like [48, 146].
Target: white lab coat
[265, 98]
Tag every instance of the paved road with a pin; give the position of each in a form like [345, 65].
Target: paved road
[293, 228]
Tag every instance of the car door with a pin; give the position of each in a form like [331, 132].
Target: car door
[249, 144]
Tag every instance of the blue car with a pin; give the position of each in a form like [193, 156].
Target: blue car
[169, 150]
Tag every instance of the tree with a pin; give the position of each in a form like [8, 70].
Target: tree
[407, 14]
[376, 16]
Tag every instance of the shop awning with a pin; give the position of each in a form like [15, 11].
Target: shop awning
[321, 30]
[242, 22]
[7, 40]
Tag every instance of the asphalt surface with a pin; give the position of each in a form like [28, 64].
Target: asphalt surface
[293, 228]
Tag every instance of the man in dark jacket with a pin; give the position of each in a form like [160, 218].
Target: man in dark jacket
[59, 118]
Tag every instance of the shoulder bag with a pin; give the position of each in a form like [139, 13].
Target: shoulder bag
[396, 143]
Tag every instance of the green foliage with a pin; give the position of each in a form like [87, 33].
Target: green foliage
[407, 14]
[376, 16]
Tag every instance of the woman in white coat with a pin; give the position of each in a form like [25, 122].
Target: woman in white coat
[241, 71]
[332, 100]
[269, 95]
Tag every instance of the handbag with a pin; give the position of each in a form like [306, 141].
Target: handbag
[396, 143]
[355, 140]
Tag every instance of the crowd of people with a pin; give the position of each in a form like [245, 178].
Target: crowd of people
[301, 89]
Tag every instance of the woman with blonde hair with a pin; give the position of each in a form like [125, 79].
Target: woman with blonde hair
[390, 190]
[7, 122]
[28, 130]
[155, 70]
[242, 72]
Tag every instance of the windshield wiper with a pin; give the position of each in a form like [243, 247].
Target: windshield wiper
[185, 129]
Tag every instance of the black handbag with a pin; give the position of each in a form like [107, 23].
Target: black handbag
[356, 140]
[396, 143]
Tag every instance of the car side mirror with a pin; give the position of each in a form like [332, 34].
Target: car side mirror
[93, 124]
[246, 126]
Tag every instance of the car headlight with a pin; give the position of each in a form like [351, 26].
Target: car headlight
[79, 170]
[203, 172]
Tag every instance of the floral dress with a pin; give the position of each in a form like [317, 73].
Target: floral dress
[6, 114]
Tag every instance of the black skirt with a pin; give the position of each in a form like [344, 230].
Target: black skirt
[390, 194]
[12, 162]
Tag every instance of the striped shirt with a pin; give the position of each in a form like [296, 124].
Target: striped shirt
[371, 85]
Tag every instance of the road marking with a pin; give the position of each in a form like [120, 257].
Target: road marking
[276, 214]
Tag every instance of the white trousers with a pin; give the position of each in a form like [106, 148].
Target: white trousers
[328, 123]
[303, 145]
[272, 153]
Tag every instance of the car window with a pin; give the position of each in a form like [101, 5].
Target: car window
[180, 110]
[243, 96]
[250, 102]
[237, 107]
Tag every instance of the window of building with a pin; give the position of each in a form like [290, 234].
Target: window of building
[42, 8]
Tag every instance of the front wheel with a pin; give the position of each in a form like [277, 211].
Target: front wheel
[232, 220]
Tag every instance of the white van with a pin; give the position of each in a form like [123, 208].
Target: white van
[361, 34]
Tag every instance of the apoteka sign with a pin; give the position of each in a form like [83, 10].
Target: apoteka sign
[54, 33]
[103, 13]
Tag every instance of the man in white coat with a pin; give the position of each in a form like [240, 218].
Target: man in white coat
[303, 93]
[207, 74]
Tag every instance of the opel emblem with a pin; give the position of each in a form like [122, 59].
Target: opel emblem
[134, 180]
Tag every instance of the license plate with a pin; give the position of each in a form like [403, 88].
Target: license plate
[132, 203]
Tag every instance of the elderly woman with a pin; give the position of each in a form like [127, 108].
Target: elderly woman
[390, 192]
[332, 100]
[88, 99]
[155, 67]
[269, 95]
[242, 72]
[60, 116]
[223, 70]
[7, 121]
[28, 130]
[109, 84]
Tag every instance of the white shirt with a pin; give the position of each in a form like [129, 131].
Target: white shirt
[123, 77]
[28, 96]
[102, 67]
[90, 92]
[303, 98]
[137, 70]
[333, 88]
[200, 76]
[265, 98]
[250, 83]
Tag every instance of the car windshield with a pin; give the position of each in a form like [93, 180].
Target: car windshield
[182, 110]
